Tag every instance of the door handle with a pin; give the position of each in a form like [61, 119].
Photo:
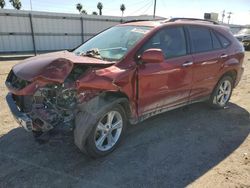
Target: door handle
[224, 56]
[189, 63]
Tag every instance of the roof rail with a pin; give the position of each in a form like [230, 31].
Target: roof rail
[136, 20]
[143, 20]
[192, 19]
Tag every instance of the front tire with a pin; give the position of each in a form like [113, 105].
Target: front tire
[222, 93]
[107, 132]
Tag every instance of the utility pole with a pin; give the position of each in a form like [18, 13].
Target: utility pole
[229, 16]
[154, 9]
[31, 5]
[32, 29]
[223, 16]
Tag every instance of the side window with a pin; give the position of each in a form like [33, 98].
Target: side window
[224, 41]
[170, 40]
[216, 42]
[200, 39]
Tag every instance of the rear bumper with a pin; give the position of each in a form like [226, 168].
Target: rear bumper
[22, 118]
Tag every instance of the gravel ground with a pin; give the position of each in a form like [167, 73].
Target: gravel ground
[193, 146]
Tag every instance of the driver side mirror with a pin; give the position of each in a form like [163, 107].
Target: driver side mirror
[153, 55]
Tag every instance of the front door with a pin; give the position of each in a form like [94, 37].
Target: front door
[168, 83]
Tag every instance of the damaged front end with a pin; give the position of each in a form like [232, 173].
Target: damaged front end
[41, 104]
[49, 106]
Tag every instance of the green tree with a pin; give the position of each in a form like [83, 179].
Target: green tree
[122, 8]
[16, 4]
[84, 12]
[100, 7]
[2, 3]
[94, 13]
[79, 7]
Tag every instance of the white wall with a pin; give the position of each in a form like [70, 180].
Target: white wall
[52, 31]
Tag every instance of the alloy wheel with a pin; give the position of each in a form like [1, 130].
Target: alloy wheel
[108, 131]
[224, 92]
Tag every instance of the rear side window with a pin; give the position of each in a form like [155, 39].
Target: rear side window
[215, 40]
[200, 39]
[224, 41]
[170, 40]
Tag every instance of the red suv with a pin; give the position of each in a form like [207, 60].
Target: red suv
[126, 73]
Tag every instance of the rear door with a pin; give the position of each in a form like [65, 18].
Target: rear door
[208, 57]
[165, 84]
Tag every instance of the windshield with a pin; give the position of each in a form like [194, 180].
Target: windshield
[113, 43]
[244, 31]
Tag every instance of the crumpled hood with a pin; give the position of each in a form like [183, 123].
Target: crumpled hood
[54, 66]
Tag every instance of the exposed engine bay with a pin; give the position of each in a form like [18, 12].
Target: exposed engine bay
[53, 104]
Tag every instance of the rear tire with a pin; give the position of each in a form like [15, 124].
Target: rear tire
[222, 93]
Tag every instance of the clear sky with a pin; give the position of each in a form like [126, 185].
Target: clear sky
[165, 8]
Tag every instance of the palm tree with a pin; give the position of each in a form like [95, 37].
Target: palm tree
[122, 8]
[79, 7]
[16, 4]
[94, 13]
[84, 12]
[2, 3]
[100, 6]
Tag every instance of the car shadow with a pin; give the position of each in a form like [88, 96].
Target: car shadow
[169, 150]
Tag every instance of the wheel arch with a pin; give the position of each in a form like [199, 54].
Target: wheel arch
[111, 95]
[213, 100]
[232, 73]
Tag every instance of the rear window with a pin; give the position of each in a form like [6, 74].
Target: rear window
[200, 39]
[224, 41]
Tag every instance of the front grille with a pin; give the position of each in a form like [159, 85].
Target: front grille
[15, 82]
